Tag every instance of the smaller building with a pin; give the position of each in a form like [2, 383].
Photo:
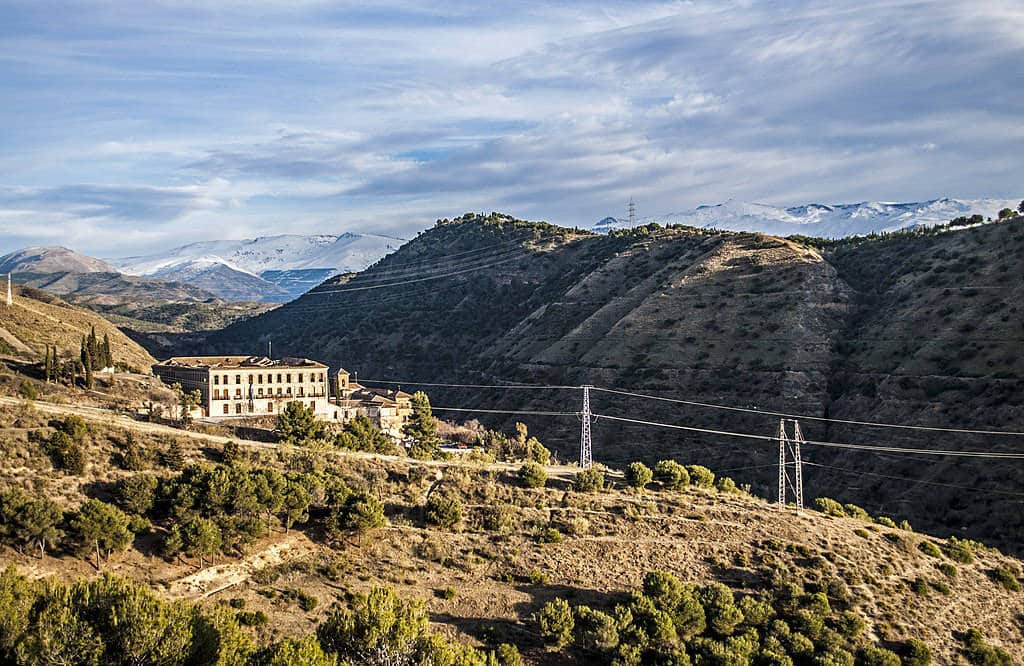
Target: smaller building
[246, 386]
[387, 409]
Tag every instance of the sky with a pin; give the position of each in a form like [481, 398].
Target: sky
[136, 126]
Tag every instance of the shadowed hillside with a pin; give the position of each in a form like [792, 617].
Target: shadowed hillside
[914, 328]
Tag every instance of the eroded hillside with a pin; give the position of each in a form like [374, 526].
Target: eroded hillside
[922, 329]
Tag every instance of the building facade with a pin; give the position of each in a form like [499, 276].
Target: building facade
[387, 409]
[245, 386]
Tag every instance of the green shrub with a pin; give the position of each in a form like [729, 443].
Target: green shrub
[980, 653]
[671, 474]
[929, 549]
[725, 484]
[920, 586]
[875, 656]
[307, 601]
[905, 525]
[885, 521]
[358, 513]
[854, 511]
[550, 535]
[595, 630]
[701, 476]
[960, 550]
[499, 518]
[829, 506]
[638, 475]
[506, 655]
[916, 653]
[720, 608]
[949, 570]
[256, 618]
[447, 593]
[850, 624]
[1005, 578]
[27, 390]
[589, 480]
[532, 475]
[537, 577]
[443, 510]
[555, 623]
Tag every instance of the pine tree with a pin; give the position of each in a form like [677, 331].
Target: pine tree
[422, 427]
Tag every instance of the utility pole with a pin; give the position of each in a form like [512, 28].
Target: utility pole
[10, 292]
[792, 444]
[270, 350]
[586, 454]
[631, 212]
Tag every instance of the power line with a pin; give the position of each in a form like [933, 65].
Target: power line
[501, 411]
[920, 481]
[495, 386]
[811, 418]
[859, 447]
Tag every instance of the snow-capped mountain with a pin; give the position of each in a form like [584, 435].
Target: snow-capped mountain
[286, 266]
[827, 221]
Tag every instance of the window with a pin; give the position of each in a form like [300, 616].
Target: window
[270, 379]
[300, 377]
[270, 406]
[259, 392]
[238, 394]
[259, 379]
[279, 390]
[312, 404]
[238, 408]
[288, 378]
[250, 380]
[226, 408]
[289, 390]
[216, 379]
[301, 392]
[238, 379]
[279, 378]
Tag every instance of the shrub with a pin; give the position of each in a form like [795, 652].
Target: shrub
[701, 476]
[75, 428]
[905, 526]
[532, 475]
[671, 474]
[1005, 578]
[589, 480]
[949, 570]
[916, 653]
[596, 630]
[960, 550]
[447, 593]
[829, 506]
[499, 518]
[359, 512]
[720, 608]
[929, 549]
[725, 484]
[854, 511]
[137, 493]
[256, 618]
[885, 521]
[555, 623]
[550, 535]
[443, 510]
[920, 586]
[27, 390]
[979, 653]
[638, 475]
[231, 452]
[875, 656]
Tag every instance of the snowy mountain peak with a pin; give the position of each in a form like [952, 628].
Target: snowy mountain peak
[825, 220]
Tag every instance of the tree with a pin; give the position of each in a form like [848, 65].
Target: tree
[1007, 213]
[48, 365]
[532, 475]
[201, 538]
[555, 623]
[87, 361]
[133, 456]
[377, 629]
[358, 513]
[295, 652]
[1020, 207]
[671, 474]
[66, 453]
[27, 390]
[422, 428]
[26, 521]
[443, 510]
[108, 357]
[701, 476]
[101, 527]
[137, 493]
[230, 453]
[298, 425]
[295, 504]
[187, 401]
[75, 427]
[174, 456]
[638, 475]
[360, 434]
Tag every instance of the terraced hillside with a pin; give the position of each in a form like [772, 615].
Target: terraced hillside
[915, 328]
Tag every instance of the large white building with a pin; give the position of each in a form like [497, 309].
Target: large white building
[242, 386]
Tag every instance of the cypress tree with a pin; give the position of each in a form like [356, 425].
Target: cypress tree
[108, 357]
[87, 358]
[47, 365]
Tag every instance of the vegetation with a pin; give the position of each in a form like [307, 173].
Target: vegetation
[443, 510]
[422, 428]
[297, 424]
[638, 475]
[532, 475]
[589, 480]
[671, 474]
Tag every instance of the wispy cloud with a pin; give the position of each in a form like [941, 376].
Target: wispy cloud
[134, 125]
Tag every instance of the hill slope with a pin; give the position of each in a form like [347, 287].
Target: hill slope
[917, 328]
[51, 260]
[37, 319]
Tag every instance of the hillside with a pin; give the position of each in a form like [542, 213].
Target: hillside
[919, 328]
[38, 318]
[811, 585]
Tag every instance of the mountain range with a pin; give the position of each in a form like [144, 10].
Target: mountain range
[269, 268]
[820, 220]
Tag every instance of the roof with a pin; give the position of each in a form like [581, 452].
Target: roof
[231, 362]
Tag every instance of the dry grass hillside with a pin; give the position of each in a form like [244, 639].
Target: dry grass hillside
[917, 328]
[37, 319]
[514, 548]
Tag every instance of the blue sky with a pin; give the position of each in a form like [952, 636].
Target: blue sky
[132, 126]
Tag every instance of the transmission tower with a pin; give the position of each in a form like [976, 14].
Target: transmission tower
[586, 455]
[631, 212]
[792, 445]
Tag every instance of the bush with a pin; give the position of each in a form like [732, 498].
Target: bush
[532, 475]
[724, 484]
[874, 656]
[359, 512]
[231, 452]
[596, 630]
[916, 653]
[854, 511]
[499, 518]
[1005, 578]
[589, 480]
[550, 535]
[701, 476]
[75, 428]
[671, 474]
[638, 475]
[929, 549]
[443, 510]
[979, 653]
[27, 390]
[137, 493]
[949, 570]
[256, 618]
[885, 521]
[829, 506]
[447, 593]
[960, 550]
[555, 623]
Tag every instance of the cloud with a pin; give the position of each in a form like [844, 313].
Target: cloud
[193, 120]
